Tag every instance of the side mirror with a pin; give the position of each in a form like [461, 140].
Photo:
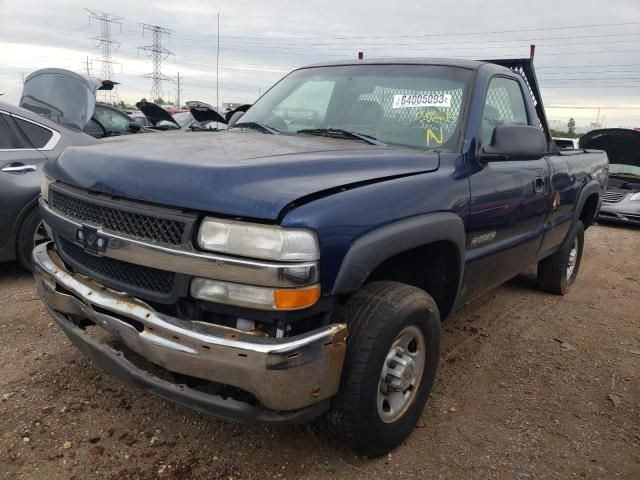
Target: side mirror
[134, 127]
[234, 118]
[515, 142]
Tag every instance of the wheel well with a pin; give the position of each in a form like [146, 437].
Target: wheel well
[433, 268]
[588, 213]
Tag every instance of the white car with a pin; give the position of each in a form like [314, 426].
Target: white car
[566, 143]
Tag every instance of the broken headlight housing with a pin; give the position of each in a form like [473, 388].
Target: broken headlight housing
[252, 240]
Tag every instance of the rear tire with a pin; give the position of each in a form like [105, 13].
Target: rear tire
[557, 273]
[30, 234]
[392, 357]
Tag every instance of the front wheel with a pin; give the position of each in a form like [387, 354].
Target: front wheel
[392, 358]
[31, 234]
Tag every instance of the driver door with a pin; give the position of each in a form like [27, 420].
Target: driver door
[508, 198]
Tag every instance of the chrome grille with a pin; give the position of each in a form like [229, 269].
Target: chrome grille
[145, 227]
[613, 197]
[128, 274]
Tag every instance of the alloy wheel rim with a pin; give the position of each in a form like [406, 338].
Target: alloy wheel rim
[401, 374]
[573, 257]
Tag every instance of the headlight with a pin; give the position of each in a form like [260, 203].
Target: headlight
[635, 196]
[252, 240]
[44, 187]
[262, 298]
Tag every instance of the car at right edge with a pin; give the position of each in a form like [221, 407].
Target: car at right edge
[621, 202]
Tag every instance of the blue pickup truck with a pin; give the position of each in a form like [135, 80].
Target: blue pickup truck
[299, 264]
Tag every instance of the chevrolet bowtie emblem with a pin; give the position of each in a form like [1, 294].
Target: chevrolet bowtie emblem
[91, 240]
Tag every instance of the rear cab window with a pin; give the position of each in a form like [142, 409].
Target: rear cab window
[504, 105]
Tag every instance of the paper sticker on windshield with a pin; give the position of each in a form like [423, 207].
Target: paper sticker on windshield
[422, 100]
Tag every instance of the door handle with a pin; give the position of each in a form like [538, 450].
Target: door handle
[538, 184]
[19, 168]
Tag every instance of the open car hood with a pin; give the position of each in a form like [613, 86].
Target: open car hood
[622, 145]
[203, 112]
[155, 113]
[62, 96]
[241, 108]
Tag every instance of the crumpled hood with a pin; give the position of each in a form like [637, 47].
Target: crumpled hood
[238, 173]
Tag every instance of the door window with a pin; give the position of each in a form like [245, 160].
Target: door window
[504, 105]
[9, 137]
[112, 120]
[38, 136]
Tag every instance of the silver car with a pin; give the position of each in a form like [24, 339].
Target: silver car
[621, 201]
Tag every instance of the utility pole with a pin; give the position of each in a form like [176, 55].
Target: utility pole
[158, 54]
[87, 68]
[179, 89]
[218, 68]
[106, 46]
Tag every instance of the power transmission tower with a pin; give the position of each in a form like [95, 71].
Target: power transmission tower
[106, 46]
[178, 91]
[158, 54]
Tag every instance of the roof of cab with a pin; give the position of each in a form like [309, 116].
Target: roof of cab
[448, 62]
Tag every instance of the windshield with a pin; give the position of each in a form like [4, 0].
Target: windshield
[411, 105]
[183, 118]
[620, 169]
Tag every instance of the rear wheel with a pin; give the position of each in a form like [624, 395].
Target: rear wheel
[558, 272]
[392, 358]
[31, 234]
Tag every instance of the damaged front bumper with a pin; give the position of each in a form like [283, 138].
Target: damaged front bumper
[291, 378]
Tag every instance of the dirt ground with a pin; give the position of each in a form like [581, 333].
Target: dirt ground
[530, 386]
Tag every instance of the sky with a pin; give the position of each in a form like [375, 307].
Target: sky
[587, 51]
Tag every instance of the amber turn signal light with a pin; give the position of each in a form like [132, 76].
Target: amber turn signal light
[296, 299]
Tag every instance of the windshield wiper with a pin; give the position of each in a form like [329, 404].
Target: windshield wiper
[341, 133]
[257, 126]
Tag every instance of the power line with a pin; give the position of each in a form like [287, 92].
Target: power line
[496, 32]
[475, 42]
[107, 46]
[158, 54]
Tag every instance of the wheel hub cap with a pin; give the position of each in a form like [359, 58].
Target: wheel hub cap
[401, 374]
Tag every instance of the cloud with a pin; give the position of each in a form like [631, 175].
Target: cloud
[261, 41]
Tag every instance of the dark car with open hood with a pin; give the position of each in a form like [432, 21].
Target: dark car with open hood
[298, 264]
[200, 116]
[621, 203]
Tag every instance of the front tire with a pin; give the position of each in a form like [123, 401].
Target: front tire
[557, 273]
[30, 235]
[392, 357]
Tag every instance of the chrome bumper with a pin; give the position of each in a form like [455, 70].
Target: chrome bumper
[284, 374]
